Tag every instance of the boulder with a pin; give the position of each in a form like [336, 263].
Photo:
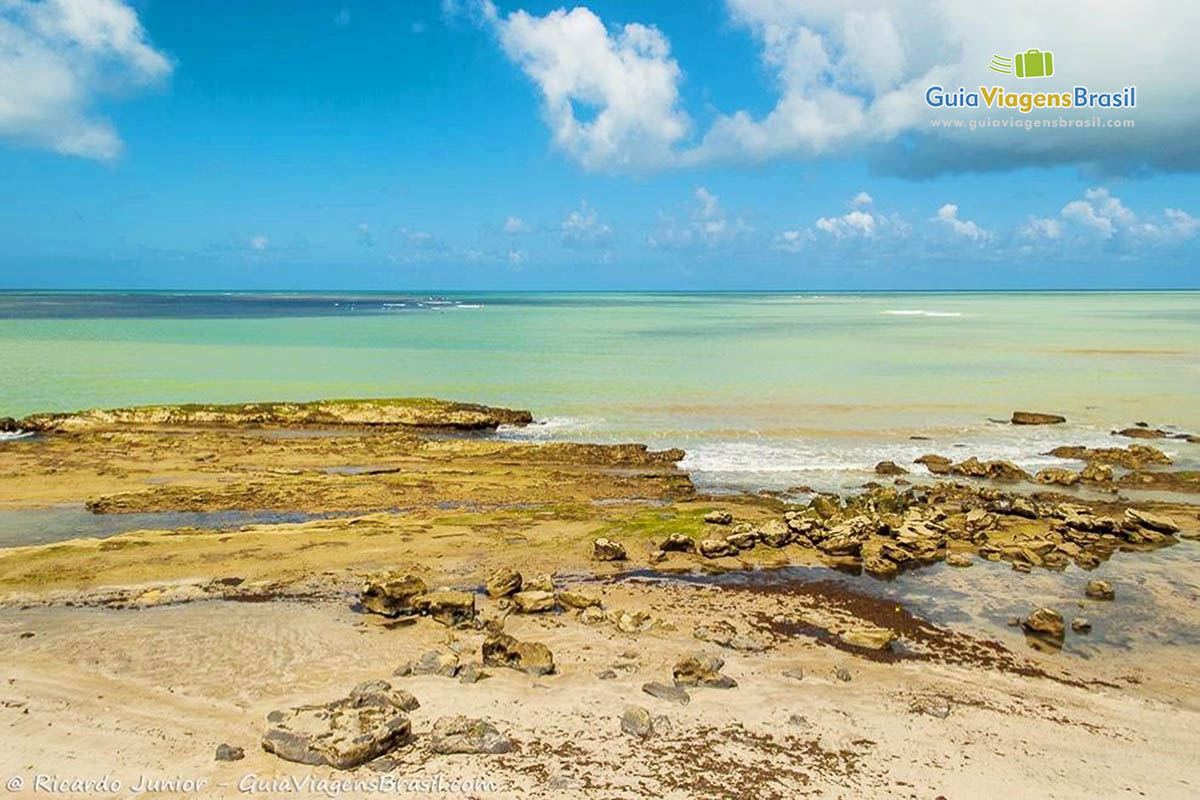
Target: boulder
[826, 506]
[343, 734]
[228, 752]
[775, 533]
[699, 669]
[1096, 473]
[391, 593]
[1081, 625]
[665, 691]
[538, 583]
[532, 602]
[1141, 433]
[744, 540]
[1155, 522]
[881, 567]
[502, 582]
[637, 722]
[1046, 623]
[577, 598]
[447, 606]
[431, 662]
[459, 734]
[608, 550]
[679, 543]
[716, 548]
[502, 650]
[959, 560]
[634, 622]
[870, 637]
[889, 468]
[592, 615]
[1057, 475]
[1099, 590]
[1036, 418]
[718, 518]
[938, 465]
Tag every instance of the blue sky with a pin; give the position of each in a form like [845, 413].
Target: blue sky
[720, 144]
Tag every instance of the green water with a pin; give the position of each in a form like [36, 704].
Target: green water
[759, 384]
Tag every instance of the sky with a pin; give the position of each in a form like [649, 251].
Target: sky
[707, 145]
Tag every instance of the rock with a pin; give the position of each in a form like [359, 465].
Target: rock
[431, 662]
[724, 634]
[930, 706]
[1081, 625]
[842, 674]
[1022, 507]
[1057, 475]
[634, 622]
[592, 615]
[679, 543]
[343, 734]
[1142, 432]
[718, 518]
[577, 598]
[1046, 623]
[538, 583]
[391, 593]
[636, 721]
[699, 669]
[997, 470]
[1155, 522]
[608, 550]
[826, 506]
[532, 602]
[881, 567]
[502, 582]
[461, 734]
[799, 721]
[938, 465]
[227, 752]
[1096, 473]
[869, 637]
[1099, 590]
[471, 673]
[447, 606]
[665, 691]
[716, 548]
[795, 673]
[889, 468]
[959, 560]
[1036, 418]
[380, 694]
[657, 556]
[743, 541]
[502, 650]
[775, 533]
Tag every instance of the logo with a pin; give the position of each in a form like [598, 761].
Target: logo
[1033, 63]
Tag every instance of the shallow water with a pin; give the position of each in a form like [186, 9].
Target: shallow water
[1156, 605]
[58, 523]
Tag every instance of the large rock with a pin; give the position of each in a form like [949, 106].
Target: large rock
[881, 567]
[716, 548]
[502, 650]
[577, 598]
[1046, 623]
[608, 550]
[700, 669]
[1036, 418]
[431, 662]
[1100, 590]
[743, 540]
[826, 506]
[775, 533]
[938, 465]
[391, 593]
[679, 543]
[637, 722]
[459, 734]
[1155, 522]
[1057, 475]
[502, 582]
[345, 733]
[447, 606]
[668, 692]
[889, 468]
[533, 602]
[718, 518]
[869, 637]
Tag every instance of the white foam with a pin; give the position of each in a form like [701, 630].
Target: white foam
[918, 312]
[8, 436]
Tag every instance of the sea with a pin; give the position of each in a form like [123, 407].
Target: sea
[777, 391]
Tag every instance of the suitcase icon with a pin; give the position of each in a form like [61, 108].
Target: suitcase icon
[1034, 63]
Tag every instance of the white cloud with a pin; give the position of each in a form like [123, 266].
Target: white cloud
[862, 199]
[707, 225]
[583, 228]
[1042, 227]
[851, 77]
[792, 241]
[515, 225]
[948, 215]
[1099, 216]
[516, 257]
[610, 99]
[259, 242]
[57, 58]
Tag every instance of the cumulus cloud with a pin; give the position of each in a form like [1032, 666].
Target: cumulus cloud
[57, 58]
[582, 228]
[1100, 219]
[515, 225]
[609, 97]
[850, 78]
[516, 257]
[707, 225]
[948, 215]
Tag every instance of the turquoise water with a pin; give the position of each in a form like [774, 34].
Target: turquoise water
[761, 389]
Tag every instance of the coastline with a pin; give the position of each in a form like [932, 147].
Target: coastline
[454, 507]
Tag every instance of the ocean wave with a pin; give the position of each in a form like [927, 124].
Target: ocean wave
[546, 429]
[8, 436]
[918, 312]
